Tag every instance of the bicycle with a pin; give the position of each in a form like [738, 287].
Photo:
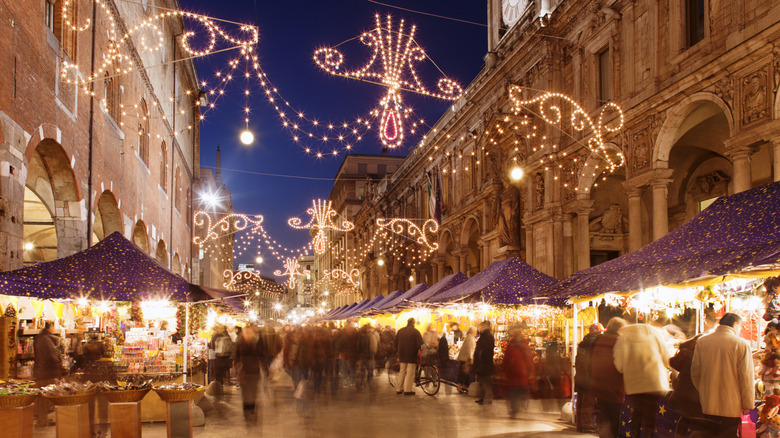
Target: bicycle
[426, 377]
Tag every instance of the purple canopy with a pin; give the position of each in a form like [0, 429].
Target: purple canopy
[337, 314]
[442, 285]
[734, 233]
[326, 316]
[507, 281]
[400, 299]
[113, 269]
[390, 297]
[362, 307]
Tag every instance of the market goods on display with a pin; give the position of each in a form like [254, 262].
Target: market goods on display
[18, 387]
[187, 386]
[133, 382]
[61, 388]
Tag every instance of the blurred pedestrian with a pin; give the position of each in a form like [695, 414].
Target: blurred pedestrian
[47, 368]
[248, 359]
[722, 371]
[483, 362]
[586, 401]
[606, 382]
[641, 355]
[223, 352]
[684, 398]
[408, 341]
[518, 370]
[466, 359]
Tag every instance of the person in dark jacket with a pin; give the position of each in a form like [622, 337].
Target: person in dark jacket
[457, 335]
[606, 382]
[47, 367]
[483, 362]
[685, 397]
[582, 365]
[248, 357]
[408, 341]
[518, 370]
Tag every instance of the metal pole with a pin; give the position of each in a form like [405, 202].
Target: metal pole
[575, 341]
[186, 338]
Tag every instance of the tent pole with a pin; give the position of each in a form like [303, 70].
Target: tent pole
[186, 339]
[574, 342]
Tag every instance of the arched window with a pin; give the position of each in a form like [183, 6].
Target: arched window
[143, 132]
[176, 189]
[164, 167]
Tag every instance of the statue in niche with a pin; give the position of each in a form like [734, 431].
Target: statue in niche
[508, 216]
[493, 168]
[610, 222]
[539, 190]
[755, 98]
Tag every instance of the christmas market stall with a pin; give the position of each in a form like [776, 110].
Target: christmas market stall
[709, 265]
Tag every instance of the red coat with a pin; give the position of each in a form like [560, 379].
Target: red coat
[518, 363]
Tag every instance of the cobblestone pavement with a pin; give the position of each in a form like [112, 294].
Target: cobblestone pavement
[376, 412]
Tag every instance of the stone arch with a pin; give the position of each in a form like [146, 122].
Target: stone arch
[54, 219]
[176, 265]
[448, 253]
[670, 130]
[140, 236]
[469, 244]
[161, 254]
[108, 219]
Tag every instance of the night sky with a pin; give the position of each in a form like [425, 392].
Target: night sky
[290, 32]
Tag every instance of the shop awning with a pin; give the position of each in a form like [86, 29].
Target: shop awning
[337, 314]
[406, 296]
[735, 233]
[113, 269]
[365, 305]
[390, 297]
[442, 285]
[508, 281]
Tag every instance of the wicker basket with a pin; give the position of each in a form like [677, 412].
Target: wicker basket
[126, 395]
[73, 399]
[17, 401]
[177, 395]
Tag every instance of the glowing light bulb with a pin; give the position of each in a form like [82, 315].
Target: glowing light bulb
[247, 137]
[29, 246]
[380, 262]
[516, 173]
[259, 260]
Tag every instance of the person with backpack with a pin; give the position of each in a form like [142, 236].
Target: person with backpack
[223, 352]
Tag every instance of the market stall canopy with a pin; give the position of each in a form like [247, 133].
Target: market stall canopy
[338, 313]
[442, 285]
[326, 315]
[404, 297]
[362, 307]
[508, 281]
[113, 269]
[735, 233]
[390, 297]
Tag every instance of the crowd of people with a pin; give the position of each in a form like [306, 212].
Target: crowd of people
[708, 382]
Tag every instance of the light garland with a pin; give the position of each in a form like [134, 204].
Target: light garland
[322, 215]
[244, 280]
[352, 277]
[227, 225]
[394, 52]
[403, 226]
[292, 272]
[579, 120]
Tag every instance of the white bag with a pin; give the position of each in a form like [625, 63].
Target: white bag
[300, 390]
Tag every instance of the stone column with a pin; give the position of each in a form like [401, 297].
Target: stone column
[741, 161]
[776, 159]
[529, 244]
[463, 254]
[440, 268]
[583, 234]
[660, 208]
[634, 219]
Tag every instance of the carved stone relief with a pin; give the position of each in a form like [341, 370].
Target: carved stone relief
[539, 191]
[724, 89]
[706, 184]
[640, 154]
[755, 97]
[610, 222]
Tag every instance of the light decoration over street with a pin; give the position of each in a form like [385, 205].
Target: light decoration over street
[249, 280]
[322, 215]
[392, 65]
[549, 107]
[352, 277]
[292, 272]
[403, 226]
[226, 225]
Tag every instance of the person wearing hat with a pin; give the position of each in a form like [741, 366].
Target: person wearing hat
[586, 401]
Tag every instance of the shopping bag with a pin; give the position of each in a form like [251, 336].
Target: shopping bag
[747, 429]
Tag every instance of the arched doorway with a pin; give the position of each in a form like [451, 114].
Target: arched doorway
[107, 217]
[162, 253]
[54, 224]
[140, 237]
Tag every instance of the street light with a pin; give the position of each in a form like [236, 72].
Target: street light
[380, 262]
[259, 260]
[278, 306]
[247, 137]
[29, 246]
[516, 173]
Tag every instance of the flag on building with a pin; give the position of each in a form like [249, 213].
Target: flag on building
[431, 197]
[439, 201]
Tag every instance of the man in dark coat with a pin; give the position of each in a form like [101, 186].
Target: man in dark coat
[483, 362]
[407, 345]
[606, 382]
[586, 401]
[248, 357]
[47, 367]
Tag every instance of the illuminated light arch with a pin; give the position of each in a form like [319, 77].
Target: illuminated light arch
[391, 64]
[292, 272]
[322, 215]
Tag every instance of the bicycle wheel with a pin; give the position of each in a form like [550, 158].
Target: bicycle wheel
[429, 379]
[392, 368]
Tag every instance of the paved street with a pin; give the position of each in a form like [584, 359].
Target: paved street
[375, 413]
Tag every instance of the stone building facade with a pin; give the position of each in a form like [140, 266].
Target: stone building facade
[74, 169]
[698, 86]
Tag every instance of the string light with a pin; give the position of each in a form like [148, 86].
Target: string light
[322, 215]
[352, 277]
[292, 272]
[394, 52]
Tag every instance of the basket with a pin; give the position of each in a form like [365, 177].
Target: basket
[72, 399]
[177, 395]
[126, 395]
[17, 401]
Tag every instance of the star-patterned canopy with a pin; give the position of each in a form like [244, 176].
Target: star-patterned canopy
[113, 269]
[365, 305]
[733, 234]
[403, 298]
[508, 281]
[442, 285]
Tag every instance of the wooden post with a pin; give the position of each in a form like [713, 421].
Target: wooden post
[179, 419]
[73, 421]
[125, 419]
[17, 422]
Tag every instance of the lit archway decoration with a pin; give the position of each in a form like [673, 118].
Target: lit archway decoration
[228, 224]
[352, 277]
[242, 280]
[292, 272]
[549, 108]
[322, 215]
[395, 53]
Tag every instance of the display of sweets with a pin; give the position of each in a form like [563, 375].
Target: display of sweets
[132, 382]
[187, 386]
[15, 387]
[68, 388]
